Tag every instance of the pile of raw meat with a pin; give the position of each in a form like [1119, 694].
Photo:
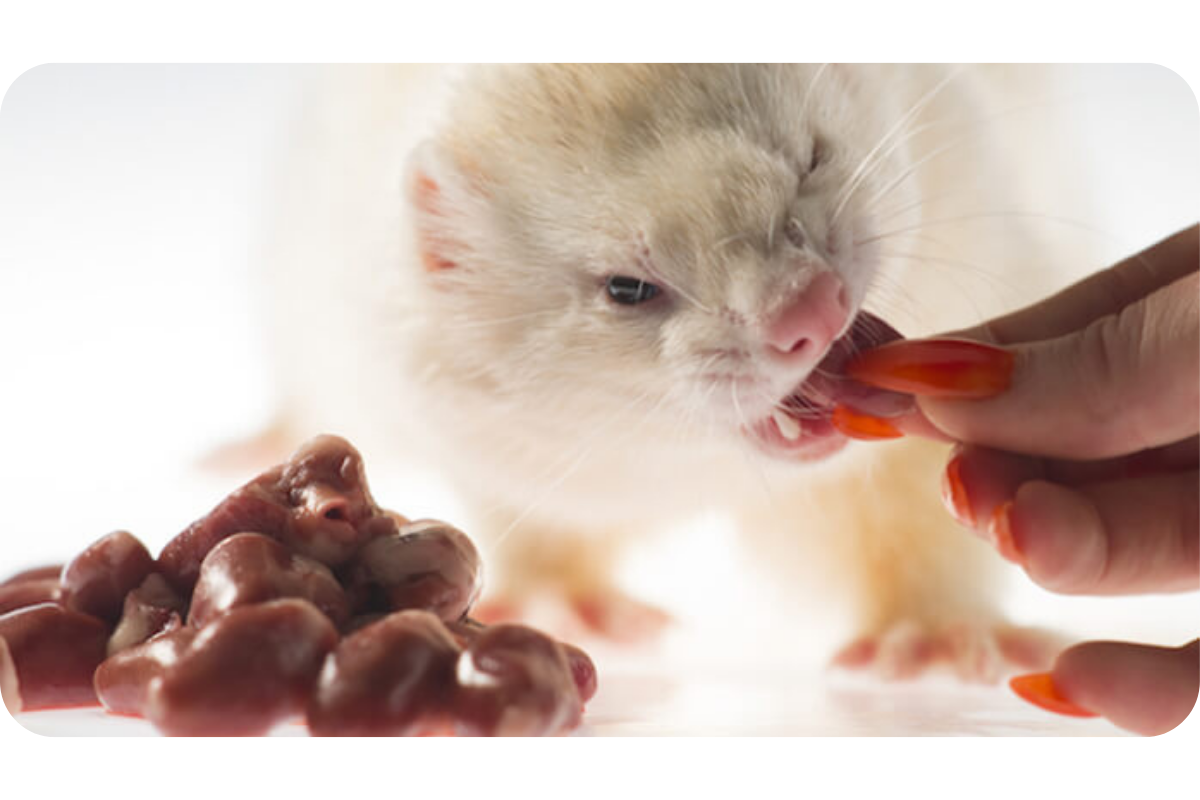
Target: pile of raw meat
[296, 598]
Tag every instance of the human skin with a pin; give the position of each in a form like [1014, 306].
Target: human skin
[1077, 422]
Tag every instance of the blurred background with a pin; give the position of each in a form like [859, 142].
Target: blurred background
[130, 201]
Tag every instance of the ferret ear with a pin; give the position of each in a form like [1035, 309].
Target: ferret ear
[447, 200]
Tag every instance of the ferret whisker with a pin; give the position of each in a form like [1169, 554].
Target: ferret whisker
[747, 454]
[910, 171]
[485, 323]
[537, 501]
[938, 260]
[801, 415]
[991, 215]
[895, 301]
[582, 452]
[728, 240]
[886, 215]
[737, 407]
[923, 203]
[996, 278]
[692, 401]
[976, 124]
[811, 84]
[692, 407]
[659, 278]
[882, 157]
[957, 286]
[864, 167]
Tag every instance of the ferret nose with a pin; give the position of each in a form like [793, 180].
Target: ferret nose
[810, 321]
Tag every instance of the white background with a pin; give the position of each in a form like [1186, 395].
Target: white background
[130, 197]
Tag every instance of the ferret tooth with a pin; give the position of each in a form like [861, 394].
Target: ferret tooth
[787, 426]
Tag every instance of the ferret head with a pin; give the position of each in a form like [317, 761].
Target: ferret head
[679, 245]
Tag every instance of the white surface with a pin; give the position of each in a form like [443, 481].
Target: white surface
[128, 199]
[649, 701]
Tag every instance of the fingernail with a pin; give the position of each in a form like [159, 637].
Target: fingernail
[1038, 688]
[863, 426]
[1000, 532]
[946, 368]
[954, 493]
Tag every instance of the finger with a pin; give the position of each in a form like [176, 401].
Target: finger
[1127, 382]
[1144, 689]
[978, 479]
[1099, 295]
[1118, 537]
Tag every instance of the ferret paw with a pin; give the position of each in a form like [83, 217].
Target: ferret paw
[619, 617]
[497, 610]
[973, 652]
[605, 613]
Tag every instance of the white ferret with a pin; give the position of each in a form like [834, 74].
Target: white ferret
[586, 294]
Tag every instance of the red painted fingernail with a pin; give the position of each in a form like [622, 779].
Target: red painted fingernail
[863, 426]
[946, 368]
[1000, 532]
[954, 493]
[1038, 688]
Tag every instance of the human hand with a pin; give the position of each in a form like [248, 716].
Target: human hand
[1077, 420]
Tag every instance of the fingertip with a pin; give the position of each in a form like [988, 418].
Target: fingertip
[1145, 689]
[955, 496]
[1058, 535]
[977, 480]
[1001, 533]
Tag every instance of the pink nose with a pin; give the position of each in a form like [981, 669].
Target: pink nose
[810, 321]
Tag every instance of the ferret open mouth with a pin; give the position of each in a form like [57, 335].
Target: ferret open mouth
[799, 428]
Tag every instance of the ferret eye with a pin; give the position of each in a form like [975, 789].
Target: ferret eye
[630, 291]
